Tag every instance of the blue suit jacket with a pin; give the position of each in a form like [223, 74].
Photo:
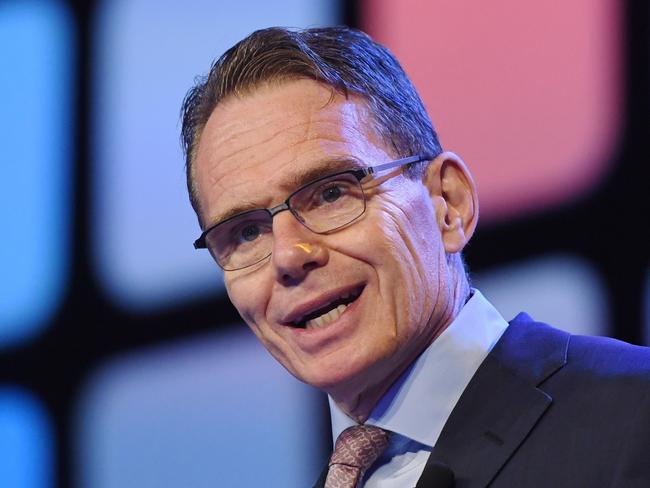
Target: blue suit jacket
[548, 409]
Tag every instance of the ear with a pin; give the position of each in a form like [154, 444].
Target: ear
[455, 199]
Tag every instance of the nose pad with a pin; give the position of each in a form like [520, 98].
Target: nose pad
[298, 217]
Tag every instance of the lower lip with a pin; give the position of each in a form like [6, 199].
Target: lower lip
[311, 339]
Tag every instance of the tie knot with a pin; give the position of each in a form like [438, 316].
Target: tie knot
[359, 446]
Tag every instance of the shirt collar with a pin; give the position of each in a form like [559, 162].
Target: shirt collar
[419, 403]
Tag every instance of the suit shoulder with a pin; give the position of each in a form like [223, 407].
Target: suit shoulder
[589, 357]
[609, 357]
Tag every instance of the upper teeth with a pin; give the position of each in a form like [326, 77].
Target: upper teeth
[326, 318]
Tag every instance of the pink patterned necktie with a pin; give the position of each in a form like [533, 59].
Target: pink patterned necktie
[356, 449]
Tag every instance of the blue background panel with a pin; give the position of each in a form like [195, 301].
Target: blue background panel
[562, 290]
[214, 411]
[148, 54]
[26, 445]
[35, 178]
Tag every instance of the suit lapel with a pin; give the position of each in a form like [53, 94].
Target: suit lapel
[501, 404]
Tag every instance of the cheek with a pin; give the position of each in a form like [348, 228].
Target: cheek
[247, 296]
[250, 299]
[409, 239]
[411, 255]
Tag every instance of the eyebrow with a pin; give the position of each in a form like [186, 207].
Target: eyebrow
[231, 212]
[319, 169]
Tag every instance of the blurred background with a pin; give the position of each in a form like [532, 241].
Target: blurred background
[122, 364]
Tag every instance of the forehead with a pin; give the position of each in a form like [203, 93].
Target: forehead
[256, 147]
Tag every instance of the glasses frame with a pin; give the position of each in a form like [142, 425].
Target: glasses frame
[359, 174]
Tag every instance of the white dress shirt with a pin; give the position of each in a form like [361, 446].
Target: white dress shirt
[419, 403]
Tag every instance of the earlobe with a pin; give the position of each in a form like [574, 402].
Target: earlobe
[454, 196]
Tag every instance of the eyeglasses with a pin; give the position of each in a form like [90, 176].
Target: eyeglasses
[323, 206]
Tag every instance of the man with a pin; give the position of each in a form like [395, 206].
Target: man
[325, 196]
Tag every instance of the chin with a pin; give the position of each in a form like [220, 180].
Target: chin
[338, 375]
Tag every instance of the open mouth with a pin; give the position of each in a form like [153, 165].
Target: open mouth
[328, 313]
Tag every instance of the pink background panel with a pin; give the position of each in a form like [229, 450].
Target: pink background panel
[528, 93]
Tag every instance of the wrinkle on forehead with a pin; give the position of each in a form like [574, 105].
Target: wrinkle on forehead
[268, 127]
[235, 125]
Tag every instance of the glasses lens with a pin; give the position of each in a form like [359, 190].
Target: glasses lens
[242, 240]
[329, 203]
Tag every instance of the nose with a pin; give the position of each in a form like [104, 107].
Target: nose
[296, 250]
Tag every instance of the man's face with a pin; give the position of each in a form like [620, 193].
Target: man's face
[389, 266]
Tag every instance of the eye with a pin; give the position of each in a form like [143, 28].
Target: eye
[327, 195]
[331, 193]
[250, 233]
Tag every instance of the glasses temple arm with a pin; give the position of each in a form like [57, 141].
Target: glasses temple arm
[398, 163]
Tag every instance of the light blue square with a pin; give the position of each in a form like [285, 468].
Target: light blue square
[215, 411]
[25, 442]
[35, 178]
